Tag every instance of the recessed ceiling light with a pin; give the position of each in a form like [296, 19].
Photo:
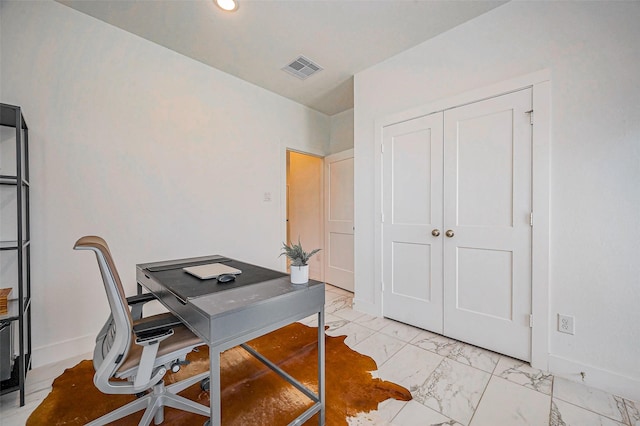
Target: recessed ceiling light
[228, 5]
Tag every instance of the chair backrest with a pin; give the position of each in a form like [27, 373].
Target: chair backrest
[115, 338]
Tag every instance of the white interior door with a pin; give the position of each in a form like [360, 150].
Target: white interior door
[456, 233]
[487, 208]
[338, 184]
[412, 221]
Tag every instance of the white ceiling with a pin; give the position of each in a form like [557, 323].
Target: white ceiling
[262, 36]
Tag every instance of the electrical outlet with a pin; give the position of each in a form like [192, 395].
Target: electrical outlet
[565, 324]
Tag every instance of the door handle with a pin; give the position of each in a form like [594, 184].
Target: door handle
[449, 233]
[435, 232]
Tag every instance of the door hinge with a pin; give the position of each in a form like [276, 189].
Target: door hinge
[530, 112]
[382, 148]
[531, 321]
[382, 217]
[531, 219]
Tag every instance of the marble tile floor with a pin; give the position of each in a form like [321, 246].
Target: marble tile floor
[452, 383]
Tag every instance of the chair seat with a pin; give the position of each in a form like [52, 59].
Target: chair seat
[182, 339]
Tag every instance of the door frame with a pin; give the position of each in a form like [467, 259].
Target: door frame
[284, 148]
[540, 82]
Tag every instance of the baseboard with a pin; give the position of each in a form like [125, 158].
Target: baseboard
[617, 384]
[62, 350]
[365, 307]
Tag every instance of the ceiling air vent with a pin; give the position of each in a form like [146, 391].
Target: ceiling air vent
[302, 68]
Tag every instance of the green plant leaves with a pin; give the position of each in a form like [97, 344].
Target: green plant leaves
[296, 253]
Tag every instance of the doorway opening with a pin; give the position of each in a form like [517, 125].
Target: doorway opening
[305, 206]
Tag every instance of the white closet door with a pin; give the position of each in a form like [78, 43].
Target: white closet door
[487, 207]
[412, 208]
[338, 190]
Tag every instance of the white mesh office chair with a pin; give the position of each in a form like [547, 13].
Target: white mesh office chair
[140, 350]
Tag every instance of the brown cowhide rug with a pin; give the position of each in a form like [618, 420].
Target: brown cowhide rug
[251, 393]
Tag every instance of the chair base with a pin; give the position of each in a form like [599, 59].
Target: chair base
[154, 403]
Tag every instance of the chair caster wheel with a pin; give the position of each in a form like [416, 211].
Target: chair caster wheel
[205, 385]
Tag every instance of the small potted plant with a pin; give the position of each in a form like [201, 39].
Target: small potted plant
[299, 259]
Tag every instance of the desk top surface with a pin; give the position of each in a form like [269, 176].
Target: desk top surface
[186, 286]
[254, 286]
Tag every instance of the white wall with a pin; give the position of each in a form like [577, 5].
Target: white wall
[591, 51]
[341, 138]
[162, 155]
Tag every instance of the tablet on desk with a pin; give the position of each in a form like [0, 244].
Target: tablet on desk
[211, 270]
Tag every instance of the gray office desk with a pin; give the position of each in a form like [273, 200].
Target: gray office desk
[229, 318]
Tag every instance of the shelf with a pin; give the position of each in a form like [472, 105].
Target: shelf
[19, 308]
[13, 382]
[13, 310]
[8, 245]
[8, 116]
[13, 245]
[8, 180]
[12, 180]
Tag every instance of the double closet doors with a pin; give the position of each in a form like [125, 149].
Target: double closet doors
[456, 228]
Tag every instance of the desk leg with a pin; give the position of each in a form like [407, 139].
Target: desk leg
[321, 383]
[214, 387]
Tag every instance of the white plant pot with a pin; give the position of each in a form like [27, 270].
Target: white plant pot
[300, 274]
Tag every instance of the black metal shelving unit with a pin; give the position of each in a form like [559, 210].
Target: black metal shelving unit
[19, 305]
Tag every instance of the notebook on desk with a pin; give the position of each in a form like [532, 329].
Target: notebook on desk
[211, 270]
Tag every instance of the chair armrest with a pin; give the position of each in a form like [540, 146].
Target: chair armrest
[149, 333]
[155, 327]
[154, 336]
[137, 302]
[140, 298]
